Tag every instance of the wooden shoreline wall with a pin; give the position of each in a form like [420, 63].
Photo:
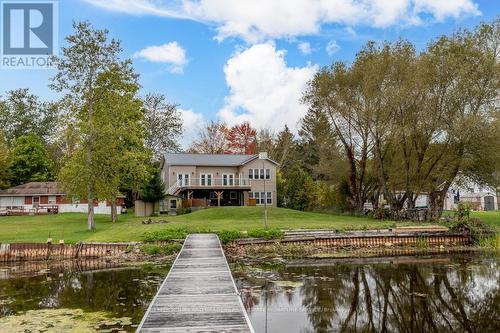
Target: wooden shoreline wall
[39, 251]
[369, 240]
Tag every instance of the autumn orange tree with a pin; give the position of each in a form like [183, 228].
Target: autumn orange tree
[242, 139]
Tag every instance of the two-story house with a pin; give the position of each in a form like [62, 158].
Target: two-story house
[219, 179]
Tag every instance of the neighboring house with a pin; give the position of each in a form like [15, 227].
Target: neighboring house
[480, 197]
[205, 180]
[48, 196]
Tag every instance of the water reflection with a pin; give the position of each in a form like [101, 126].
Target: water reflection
[90, 286]
[453, 294]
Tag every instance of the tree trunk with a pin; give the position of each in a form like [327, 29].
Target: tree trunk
[114, 214]
[437, 202]
[90, 204]
[90, 215]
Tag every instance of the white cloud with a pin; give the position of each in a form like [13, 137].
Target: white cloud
[263, 89]
[332, 47]
[191, 123]
[258, 20]
[304, 48]
[171, 53]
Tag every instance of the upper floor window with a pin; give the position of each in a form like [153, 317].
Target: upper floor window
[259, 174]
[206, 179]
[228, 179]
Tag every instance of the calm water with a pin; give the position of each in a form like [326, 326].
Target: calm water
[419, 294]
[96, 287]
[447, 294]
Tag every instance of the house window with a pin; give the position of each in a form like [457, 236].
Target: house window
[233, 195]
[250, 174]
[261, 198]
[206, 179]
[183, 179]
[268, 173]
[255, 173]
[173, 204]
[261, 173]
[52, 199]
[228, 179]
[213, 195]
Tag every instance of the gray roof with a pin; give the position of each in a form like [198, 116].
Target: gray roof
[33, 188]
[208, 159]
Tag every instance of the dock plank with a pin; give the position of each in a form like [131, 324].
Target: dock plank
[198, 294]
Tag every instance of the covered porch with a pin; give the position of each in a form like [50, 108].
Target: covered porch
[214, 197]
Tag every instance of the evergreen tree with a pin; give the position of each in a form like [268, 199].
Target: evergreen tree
[154, 190]
[299, 189]
[285, 151]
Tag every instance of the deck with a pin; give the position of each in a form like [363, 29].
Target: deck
[198, 294]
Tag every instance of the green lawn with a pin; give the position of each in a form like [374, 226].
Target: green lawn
[72, 226]
[491, 218]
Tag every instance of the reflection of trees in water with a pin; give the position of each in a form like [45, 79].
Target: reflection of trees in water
[112, 291]
[411, 298]
[402, 298]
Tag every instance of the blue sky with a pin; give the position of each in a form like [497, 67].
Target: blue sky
[249, 60]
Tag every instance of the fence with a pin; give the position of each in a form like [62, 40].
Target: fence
[40, 251]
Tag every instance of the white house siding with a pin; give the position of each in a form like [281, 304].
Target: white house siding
[18, 202]
[101, 208]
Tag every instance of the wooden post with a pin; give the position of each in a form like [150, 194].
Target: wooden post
[219, 196]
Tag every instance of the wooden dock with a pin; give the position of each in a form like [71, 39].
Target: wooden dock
[198, 294]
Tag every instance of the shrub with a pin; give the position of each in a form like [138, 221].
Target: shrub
[227, 236]
[266, 233]
[478, 230]
[166, 234]
[183, 210]
[152, 249]
[380, 214]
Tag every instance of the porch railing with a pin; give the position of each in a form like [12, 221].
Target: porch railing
[214, 182]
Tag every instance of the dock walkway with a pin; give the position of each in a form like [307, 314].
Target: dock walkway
[198, 294]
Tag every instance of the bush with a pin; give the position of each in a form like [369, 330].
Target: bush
[166, 234]
[227, 236]
[152, 249]
[478, 230]
[183, 210]
[380, 213]
[266, 233]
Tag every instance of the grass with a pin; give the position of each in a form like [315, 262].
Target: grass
[492, 218]
[72, 226]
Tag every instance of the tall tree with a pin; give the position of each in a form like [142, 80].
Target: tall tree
[212, 139]
[242, 139]
[23, 113]
[118, 148]
[284, 151]
[29, 161]
[318, 149]
[163, 125]
[266, 141]
[87, 55]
